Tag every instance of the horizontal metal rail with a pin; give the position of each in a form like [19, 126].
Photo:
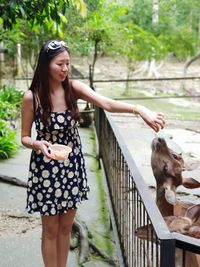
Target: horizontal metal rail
[125, 80]
[157, 97]
[147, 79]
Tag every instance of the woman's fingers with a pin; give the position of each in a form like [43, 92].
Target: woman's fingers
[45, 149]
[160, 120]
[156, 120]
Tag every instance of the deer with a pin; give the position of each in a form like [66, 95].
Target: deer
[168, 166]
[182, 217]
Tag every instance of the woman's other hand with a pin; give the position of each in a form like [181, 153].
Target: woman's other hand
[43, 146]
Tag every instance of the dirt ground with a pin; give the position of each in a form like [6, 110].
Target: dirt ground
[116, 68]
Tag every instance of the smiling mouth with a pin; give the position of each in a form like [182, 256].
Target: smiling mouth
[63, 76]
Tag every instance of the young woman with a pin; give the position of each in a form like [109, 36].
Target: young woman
[55, 188]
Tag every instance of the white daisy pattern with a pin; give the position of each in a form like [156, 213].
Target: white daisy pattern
[57, 186]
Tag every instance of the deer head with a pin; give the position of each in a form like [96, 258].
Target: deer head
[167, 166]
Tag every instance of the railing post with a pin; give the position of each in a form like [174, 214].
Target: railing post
[167, 253]
[98, 130]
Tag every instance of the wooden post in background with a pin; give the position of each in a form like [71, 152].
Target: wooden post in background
[2, 59]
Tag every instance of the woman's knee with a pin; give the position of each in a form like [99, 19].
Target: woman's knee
[66, 222]
[50, 226]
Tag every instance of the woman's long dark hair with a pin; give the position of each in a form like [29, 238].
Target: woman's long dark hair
[40, 84]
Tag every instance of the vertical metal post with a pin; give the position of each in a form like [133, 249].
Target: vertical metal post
[167, 253]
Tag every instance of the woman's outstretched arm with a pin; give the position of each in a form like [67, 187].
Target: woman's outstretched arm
[155, 120]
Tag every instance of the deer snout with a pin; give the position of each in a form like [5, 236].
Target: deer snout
[157, 143]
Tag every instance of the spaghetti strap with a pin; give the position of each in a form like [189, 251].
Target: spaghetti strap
[34, 104]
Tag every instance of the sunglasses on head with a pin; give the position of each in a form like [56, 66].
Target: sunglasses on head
[53, 45]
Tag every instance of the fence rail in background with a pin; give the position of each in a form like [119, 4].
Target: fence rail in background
[142, 82]
[125, 80]
[144, 237]
[147, 79]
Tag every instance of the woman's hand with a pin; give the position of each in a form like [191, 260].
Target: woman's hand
[43, 146]
[156, 120]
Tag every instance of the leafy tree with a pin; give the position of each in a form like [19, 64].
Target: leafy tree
[36, 11]
[33, 22]
[96, 29]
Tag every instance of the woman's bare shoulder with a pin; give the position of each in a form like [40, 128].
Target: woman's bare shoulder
[28, 99]
[77, 87]
[28, 95]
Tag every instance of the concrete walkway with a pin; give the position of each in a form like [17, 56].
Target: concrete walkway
[20, 234]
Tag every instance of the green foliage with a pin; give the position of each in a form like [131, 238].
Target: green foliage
[8, 111]
[8, 145]
[110, 28]
[176, 31]
[139, 44]
[12, 95]
[10, 102]
[36, 11]
[183, 43]
[97, 30]
[137, 8]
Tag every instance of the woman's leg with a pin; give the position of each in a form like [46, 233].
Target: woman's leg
[64, 233]
[50, 226]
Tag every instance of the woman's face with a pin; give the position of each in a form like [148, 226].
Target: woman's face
[59, 67]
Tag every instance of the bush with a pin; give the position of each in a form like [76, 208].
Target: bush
[10, 103]
[8, 144]
[12, 95]
[8, 111]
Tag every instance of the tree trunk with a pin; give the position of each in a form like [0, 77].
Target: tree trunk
[155, 12]
[12, 180]
[126, 91]
[96, 42]
[153, 69]
[19, 60]
[1, 61]
[189, 62]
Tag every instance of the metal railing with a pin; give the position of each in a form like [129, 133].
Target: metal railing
[144, 237]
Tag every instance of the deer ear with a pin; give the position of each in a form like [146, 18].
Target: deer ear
[193, 212]
[190, 183]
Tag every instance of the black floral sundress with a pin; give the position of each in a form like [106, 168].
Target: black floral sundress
[55, 186]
